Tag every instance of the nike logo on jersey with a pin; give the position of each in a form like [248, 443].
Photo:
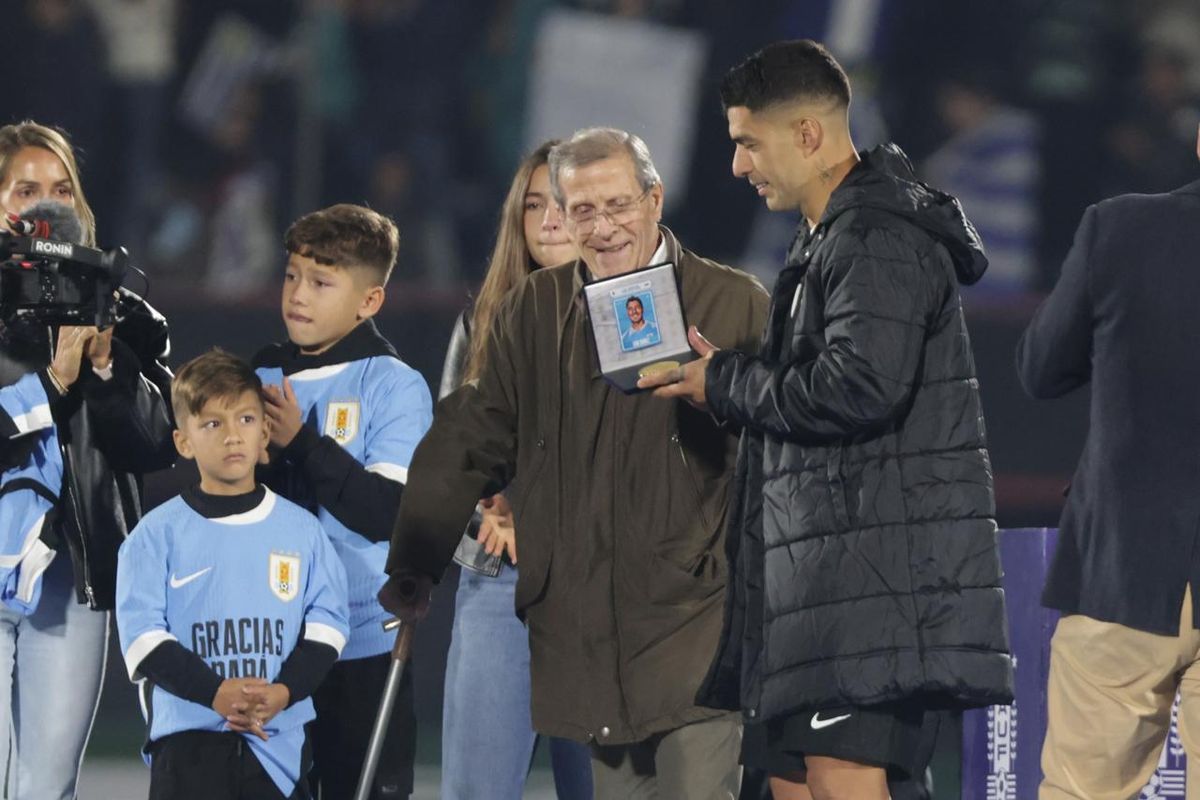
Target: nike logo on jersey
[186, 579]
[817, 723]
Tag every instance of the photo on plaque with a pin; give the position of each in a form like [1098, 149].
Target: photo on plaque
[638, 325]
[637, 321]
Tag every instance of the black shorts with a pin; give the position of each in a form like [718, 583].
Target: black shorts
[206, 765]
[897, 737]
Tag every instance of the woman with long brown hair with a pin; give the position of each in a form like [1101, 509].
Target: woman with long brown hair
[105, 393]
[487, 736]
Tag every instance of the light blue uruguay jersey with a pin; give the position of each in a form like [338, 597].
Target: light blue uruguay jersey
[239, 591]
[377, 408]
[28, 491]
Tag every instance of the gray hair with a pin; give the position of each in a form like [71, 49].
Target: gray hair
[590, 145]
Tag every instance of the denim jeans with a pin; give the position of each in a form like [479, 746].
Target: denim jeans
[51, 668]
[487, 737]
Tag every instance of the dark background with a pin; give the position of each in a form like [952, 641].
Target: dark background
[205, 127]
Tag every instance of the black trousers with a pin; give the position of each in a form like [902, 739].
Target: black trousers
[204, 765]
[346, 704]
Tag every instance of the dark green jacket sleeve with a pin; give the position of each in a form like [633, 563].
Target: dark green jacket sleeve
[470, 451]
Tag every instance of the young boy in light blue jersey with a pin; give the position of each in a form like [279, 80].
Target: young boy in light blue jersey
[346, 415]
[231, 606]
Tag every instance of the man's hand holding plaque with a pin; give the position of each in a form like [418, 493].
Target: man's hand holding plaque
[685, 381]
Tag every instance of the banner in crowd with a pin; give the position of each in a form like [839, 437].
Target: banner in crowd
[595, 69]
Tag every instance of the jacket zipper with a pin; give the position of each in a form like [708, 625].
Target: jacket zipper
[691, 479]
[69, 470]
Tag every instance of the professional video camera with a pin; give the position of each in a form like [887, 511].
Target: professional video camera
[47, 277]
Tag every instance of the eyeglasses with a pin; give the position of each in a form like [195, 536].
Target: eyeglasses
[618, 212]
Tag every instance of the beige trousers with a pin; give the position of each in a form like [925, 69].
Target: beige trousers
[1110, 694]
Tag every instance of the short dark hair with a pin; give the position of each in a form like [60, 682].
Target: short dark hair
[347, 236]
[216, 374]
[635, 299]
[796, 70]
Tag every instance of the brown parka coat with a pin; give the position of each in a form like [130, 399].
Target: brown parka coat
[619, 503]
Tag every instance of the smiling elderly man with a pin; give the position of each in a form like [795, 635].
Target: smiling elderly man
[619, 500]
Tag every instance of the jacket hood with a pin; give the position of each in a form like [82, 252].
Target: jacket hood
[885, 180]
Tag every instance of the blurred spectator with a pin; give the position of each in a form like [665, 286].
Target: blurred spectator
[630, 73]
[992, 164]
[1147, 146]
[140, 40]
[59, 76]
[244, 246]
[423, 106]
[407, 58]
[498, 74]
[1072, 55]
[1174, 25]
[394, 190]
[235, 53]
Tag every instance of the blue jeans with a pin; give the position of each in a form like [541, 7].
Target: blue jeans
[51, 668]
[487, 736]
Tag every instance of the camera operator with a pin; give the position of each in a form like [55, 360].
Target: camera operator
[107, 393]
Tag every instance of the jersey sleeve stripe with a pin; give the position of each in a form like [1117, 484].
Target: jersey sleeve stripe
[393, 472]
[36, 562]
[28, 542]
[35, 419]
[25, 403]
[141, 647]
[325, 634]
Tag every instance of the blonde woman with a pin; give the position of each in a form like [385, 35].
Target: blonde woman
[105, 392]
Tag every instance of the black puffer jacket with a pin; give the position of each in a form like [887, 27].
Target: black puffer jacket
[111, 432]
[862, 535]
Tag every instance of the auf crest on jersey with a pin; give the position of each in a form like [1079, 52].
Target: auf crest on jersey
[341, 420]
[284, 575]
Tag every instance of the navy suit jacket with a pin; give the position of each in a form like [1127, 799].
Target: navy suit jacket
[1125, 317]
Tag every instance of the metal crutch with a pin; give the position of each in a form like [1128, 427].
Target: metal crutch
[400, 651]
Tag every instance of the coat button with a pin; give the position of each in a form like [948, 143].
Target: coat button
[541, 443]
[752, 713]
[604, 732]
[675, 438]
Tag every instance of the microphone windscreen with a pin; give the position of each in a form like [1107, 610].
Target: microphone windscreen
[61, 219]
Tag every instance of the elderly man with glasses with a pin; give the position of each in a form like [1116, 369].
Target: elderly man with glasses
[619, 500]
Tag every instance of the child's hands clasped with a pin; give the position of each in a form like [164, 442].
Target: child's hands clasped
[283, 413]
[248, 704]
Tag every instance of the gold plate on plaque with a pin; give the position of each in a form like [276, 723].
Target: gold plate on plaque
[657, 367]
